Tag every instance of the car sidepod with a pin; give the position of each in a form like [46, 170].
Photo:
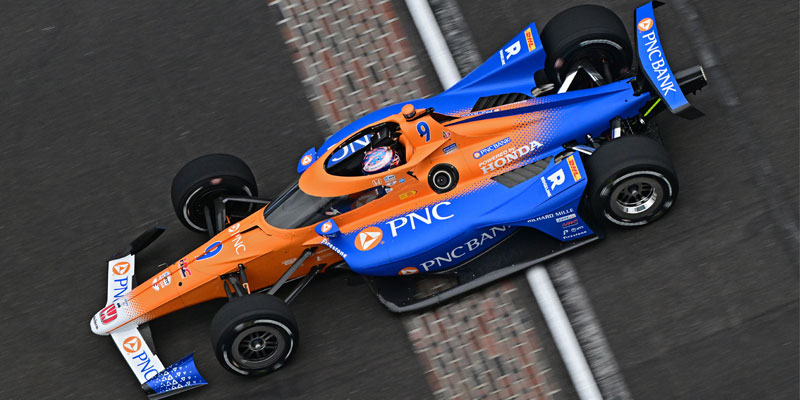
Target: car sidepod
[563, 184]
[453, 229]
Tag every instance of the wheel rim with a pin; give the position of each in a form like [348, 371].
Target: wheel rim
[205, 196]
[258, 347]
[637, 196]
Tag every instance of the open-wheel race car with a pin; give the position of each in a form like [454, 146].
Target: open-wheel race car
[524, 159]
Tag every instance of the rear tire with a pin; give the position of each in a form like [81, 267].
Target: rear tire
[586, 32]
[632, 181]
[203, 180]
[254, 334]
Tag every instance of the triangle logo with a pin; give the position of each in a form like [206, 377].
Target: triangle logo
[645, 24]
[132, 344]
[121, 268]
[368, 238]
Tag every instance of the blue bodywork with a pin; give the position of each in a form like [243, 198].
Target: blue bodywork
[178, 377]
[445, 234]
[441, 235]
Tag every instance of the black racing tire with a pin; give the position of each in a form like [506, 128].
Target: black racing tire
[205, 179]
[586, 32]
[632, 181]
[254, 335]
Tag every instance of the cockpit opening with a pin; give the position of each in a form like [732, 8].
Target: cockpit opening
[375, 149]
[296, 209]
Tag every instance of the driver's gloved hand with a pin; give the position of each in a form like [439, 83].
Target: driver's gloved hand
[332, 212]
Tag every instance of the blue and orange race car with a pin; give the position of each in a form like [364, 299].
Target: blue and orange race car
[524, 159]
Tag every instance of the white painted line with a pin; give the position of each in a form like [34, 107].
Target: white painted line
[587, 329]
[434, 42]
[565, 339]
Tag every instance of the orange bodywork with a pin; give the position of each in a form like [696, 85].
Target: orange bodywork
[267, 252]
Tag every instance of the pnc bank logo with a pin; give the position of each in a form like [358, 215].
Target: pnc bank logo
[132, 344]
[121, 268]
[306, 159]
[426, 216]
[408, 271]
[645, 24]
[326, 227]
[368, 238]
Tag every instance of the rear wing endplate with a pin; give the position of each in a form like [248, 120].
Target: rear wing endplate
[654, 64]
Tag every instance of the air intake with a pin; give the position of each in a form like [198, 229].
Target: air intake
[498, 100]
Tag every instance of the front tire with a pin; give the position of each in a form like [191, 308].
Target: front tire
[203, 180]
[632, 181]
[254, 335]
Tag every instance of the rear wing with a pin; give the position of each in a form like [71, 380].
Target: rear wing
[654, 64]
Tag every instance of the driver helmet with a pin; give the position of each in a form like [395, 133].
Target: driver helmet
[380, 159]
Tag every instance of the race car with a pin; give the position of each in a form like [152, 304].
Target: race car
[527, 157]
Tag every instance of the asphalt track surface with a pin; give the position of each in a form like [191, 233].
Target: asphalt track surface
[103, 103]
[704, 303]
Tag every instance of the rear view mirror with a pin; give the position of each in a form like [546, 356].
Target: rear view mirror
[306, 160]
[327, 228]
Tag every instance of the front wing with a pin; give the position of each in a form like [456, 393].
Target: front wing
[158, 382]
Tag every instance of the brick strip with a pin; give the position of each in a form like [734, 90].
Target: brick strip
[482, 347]
[352, 55]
